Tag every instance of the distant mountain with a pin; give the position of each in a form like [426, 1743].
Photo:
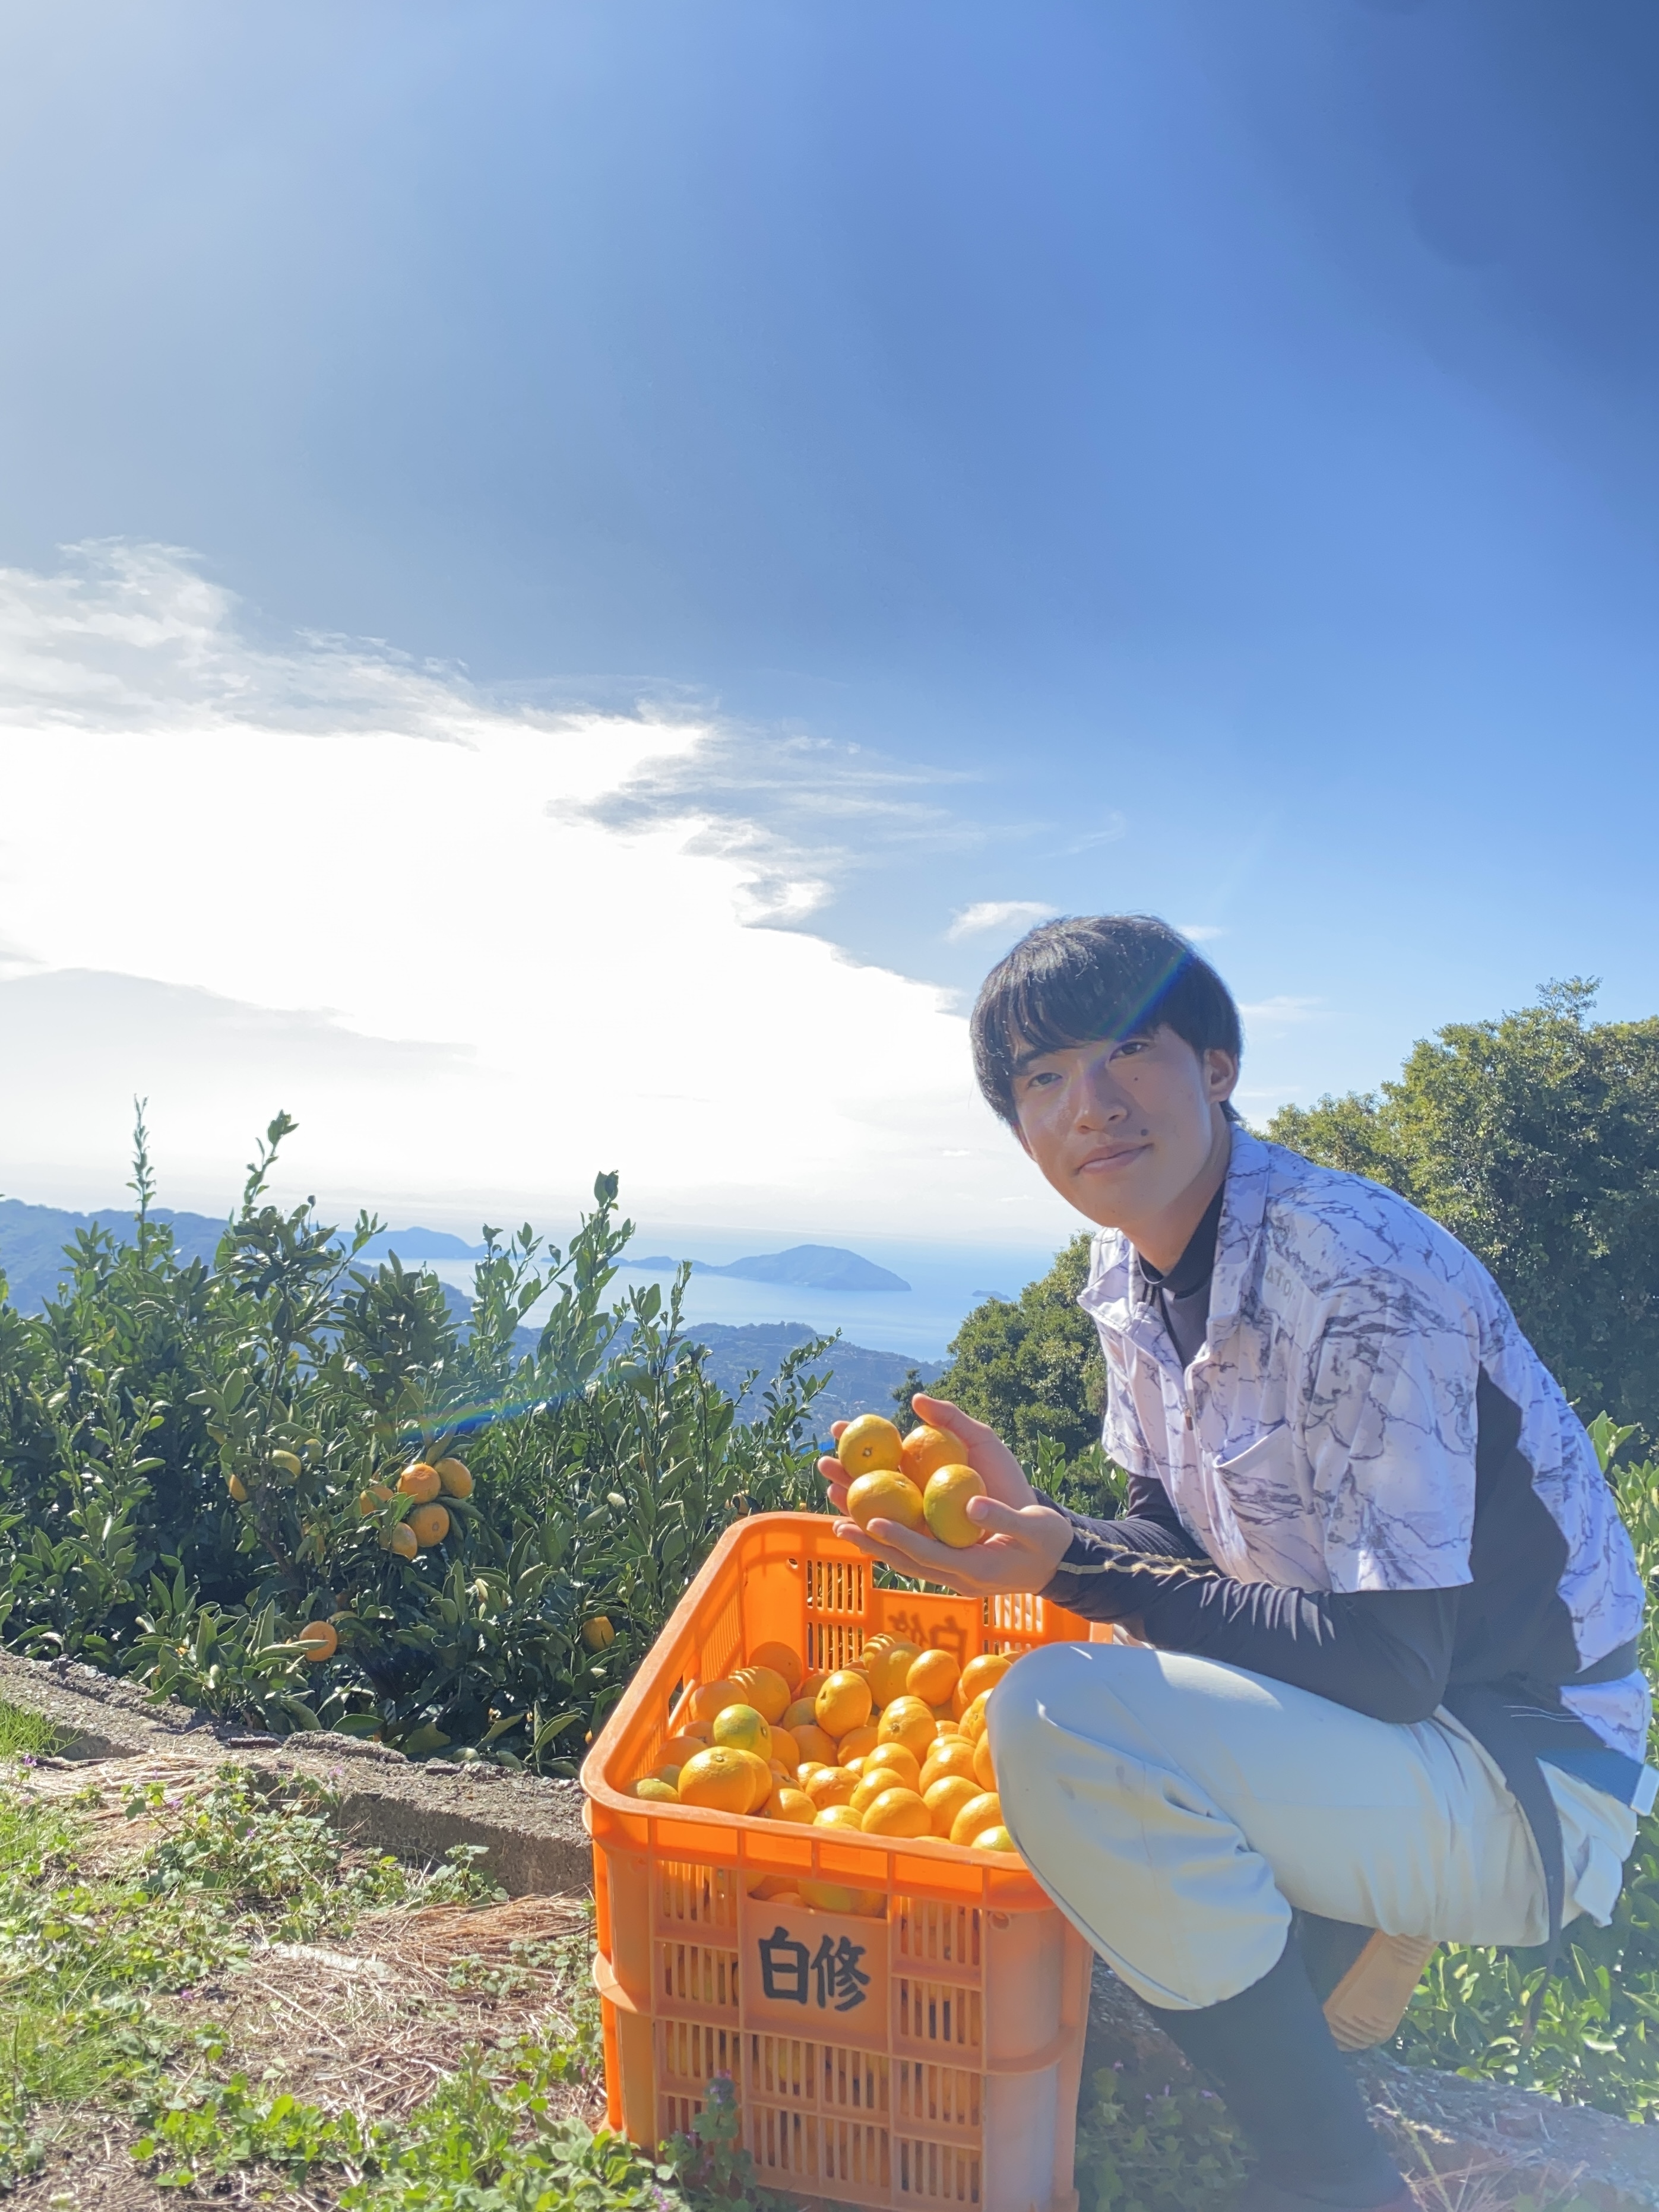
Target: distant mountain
[420, 1244]
[861, 1380]
[33, 1238]
[803, 1266]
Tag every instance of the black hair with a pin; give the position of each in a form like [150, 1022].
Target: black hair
[1084, 976]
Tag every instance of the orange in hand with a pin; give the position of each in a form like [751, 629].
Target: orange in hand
[885, 1496]
[925, 1450]
[867, 1443]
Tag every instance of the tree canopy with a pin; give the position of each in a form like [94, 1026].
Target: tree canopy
[1535, 1139]
[1031, 1366]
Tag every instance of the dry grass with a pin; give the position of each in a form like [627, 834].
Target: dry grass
[374, 2021]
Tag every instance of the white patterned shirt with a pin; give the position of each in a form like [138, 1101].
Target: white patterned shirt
[1324, 1437]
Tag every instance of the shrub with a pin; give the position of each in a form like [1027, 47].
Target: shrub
[199, 1461]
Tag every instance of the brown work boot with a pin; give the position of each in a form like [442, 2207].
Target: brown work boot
[1362, 1979]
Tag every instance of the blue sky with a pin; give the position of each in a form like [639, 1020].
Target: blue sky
[1159, 454]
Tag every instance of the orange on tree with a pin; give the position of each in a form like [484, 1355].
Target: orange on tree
[945, 1506]
[742, 1728]
[993, 1839]
[711, 1697]
[889, 1669]
[979, 1813]
[456, 1477]
[984, 1774]
[238, 1489]
[402, 1540]
[598, 1633]
[898, 1813]
[782, 1659]
[376, 1494]
[932, 1676]
[719, 1781]
[884, 1496]
[764, 1689]
[843, 1704]
[908, 1721]
[945, 1798]
[868, 1444]
[320, 1639]
[430, 1525]
[926, 1449]
[981, 1674]
[421, 1482]
[812, 1743]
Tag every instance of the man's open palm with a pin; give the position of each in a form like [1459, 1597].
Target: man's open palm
[1025, 1540]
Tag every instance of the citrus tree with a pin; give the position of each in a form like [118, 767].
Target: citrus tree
[205, 1475]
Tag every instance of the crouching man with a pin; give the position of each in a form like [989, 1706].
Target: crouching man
[1384, 1692]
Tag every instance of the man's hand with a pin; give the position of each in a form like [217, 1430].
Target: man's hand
[1025, 1540]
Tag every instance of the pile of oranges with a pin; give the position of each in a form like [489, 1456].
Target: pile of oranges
[893, 1745]
[919, 1480]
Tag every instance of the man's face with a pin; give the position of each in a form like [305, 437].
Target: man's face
[1122, 1126]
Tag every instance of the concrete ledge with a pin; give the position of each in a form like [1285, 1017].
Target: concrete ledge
[531, 1829]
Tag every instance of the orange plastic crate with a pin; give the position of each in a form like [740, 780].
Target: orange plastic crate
[928, 2057]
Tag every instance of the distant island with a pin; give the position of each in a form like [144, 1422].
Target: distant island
[802, 1267]
[421, 1244]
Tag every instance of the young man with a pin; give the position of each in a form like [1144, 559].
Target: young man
[1385, 1675]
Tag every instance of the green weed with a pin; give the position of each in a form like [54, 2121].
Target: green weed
[26, 1735]
[488, 2140]
[1171, 2150]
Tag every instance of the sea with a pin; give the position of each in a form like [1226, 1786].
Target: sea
[947, 1281]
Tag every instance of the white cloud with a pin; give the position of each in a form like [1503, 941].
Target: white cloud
[481, 952]
[1200, 933]
[1115, 826]
[1007, 916]
[1282, 1012]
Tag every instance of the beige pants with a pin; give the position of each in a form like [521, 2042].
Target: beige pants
[1176, 1810]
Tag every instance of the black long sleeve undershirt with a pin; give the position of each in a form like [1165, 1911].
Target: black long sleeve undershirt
[1387, 1653]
